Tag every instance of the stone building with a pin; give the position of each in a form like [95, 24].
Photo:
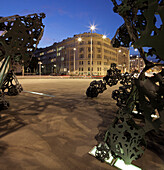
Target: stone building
[72, 56]
[136, 63]
[47, 59]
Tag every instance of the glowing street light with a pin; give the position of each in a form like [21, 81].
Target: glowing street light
[104, 37]
[92, 28]
[79, 39]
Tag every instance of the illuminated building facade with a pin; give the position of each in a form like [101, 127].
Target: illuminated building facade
[72, 56]
[136, 63]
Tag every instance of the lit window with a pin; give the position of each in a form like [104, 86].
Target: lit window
[50, 51]
[41, 53]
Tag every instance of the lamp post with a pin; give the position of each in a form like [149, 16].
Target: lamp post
[22, 67]
[124, 65]
[104, 37]
[40, 63]
[120, 64]
[92, 28]
[138, 60]
[74, 49]
[138, 63]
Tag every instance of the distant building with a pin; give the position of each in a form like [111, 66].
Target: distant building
[73, 56]
[47, 57]
[136, 63]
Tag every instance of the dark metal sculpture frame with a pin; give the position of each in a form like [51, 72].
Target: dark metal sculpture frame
[125, 138]
[20, 37]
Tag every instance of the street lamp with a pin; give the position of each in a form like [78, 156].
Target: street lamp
[138, 60]
[104, 37]
[138, 63]
[92, 28]
[40, 63]
[79, 39]
[22, 67]
[74, 49]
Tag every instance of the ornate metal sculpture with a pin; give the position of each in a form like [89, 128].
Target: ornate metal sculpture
[112, 78]
[11, 85]
[20, 37]
[144, 95]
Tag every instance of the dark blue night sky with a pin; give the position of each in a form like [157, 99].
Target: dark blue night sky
[65, 18]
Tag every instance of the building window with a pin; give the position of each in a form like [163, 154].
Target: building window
[41, 53]
[89, 55]
[107, 51]
[71, 57]
[81, 56]
[89, 49]
[50, 51]
[105, 57]
[106, 45]
[99, 50]
[81, 50]
[98, 43]
[80, 68]
[88, 68]
[72, 51]
[98, 68]
[72, 63]
[58, 54]
[89, 42]
[88, 62]
[98, 56]
[98, 62]
[80, 62]
[81, 43]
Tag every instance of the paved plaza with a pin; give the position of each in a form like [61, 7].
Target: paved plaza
[56, 130]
